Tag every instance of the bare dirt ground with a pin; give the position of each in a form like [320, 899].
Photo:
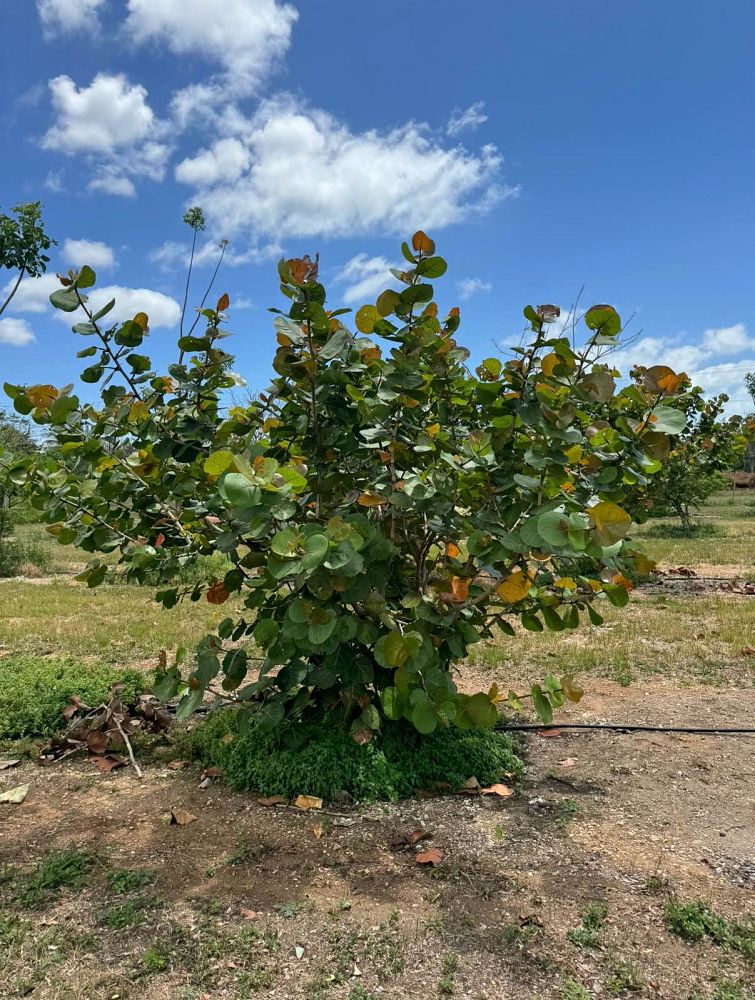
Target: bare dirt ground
[251, 900]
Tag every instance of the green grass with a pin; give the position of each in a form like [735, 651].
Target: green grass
[128, 914]
[693, 638]
[695, 921]
[666, 529]
[392, 766]
[572, 990]
[587, 934]
[34, 691]
[60, 869]
[125, 880]
[118, 624]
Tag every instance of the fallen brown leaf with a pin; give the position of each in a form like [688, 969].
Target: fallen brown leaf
[307, 802]
[248, 914]
[501, 790]
[431, 857]
[318, 830]
[567, 762]
[178, 765]
[110, 763]
[273, 800]
[748, 651]
[548, 733]
[417, 835]
[181, 817]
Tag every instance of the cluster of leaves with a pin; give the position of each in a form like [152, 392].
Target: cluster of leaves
[694, 462]
[384, 507]
[23, 244]
[104, 731]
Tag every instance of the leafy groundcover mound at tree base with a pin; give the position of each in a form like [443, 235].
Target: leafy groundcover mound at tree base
[34, 691]
[396, 763]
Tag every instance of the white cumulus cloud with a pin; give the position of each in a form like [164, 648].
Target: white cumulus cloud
[102, 119]
[69, 17]
[311, 175]
[729, 339]
[33, 296]
[15, 332]
[91, 252]
[247, 39]
[226, 160]
[365, 277]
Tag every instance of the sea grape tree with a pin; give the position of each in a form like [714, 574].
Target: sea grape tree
[382, 507]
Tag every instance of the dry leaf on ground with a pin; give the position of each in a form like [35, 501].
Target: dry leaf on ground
[181, 817]
[307, 802]
[431, 857]
[5, 764]
[15, 795]
[567, 762]
[110, 763]
[416, 835]
[501, 790]
[273, 800]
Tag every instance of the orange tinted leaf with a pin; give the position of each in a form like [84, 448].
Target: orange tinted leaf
[431, 857]
[422, 243]
[371, 500]
[452, 550]
[307, 802]
[223, 303]
[459, 588]
[217, 593]
[503, 791]
[41, 396]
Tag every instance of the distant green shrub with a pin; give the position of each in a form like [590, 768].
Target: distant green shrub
[685, 531]
[34, 691]
[392, 766]
[19, 558]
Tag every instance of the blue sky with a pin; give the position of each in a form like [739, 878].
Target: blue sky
[545, 147]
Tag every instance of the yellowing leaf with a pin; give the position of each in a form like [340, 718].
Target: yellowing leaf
[366, 318]
[514, 587]
[495, 695]
[138, 411]
[565, 583]
[41, 396]
[142, 320]
[371, 500]
[548, 363]
[433, 430]
[611, 523]
[570, 689]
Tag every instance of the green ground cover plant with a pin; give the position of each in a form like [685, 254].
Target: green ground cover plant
[35, 690]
